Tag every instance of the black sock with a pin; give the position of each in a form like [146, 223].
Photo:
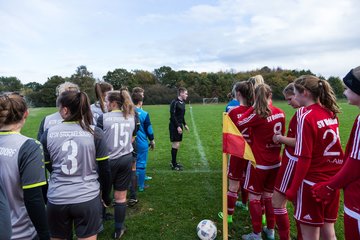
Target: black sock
[133, 185]
[119, 212]
[173, 156]
[104, 212]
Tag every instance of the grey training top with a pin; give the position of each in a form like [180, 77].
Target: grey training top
[73, 153]
[21, 167]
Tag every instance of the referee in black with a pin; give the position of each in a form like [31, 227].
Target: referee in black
[177, 123]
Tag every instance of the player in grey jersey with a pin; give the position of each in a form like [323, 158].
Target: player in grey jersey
[98, 108]
[79, 157]
[5, 220]
[119, 126]
[52, 120]
[21, 172]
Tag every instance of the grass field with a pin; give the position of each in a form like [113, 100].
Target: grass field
[176, 201]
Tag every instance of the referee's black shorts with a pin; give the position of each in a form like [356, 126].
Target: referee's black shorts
[174, 134]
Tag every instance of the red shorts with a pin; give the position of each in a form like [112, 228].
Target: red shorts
[262, 179]
[309, 211]
[236, 168]
[352, 224]
[285, 173]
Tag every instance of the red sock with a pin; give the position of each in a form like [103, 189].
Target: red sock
[231, 198]
[262, 206]
[299, 235]
[269, 211]
[282, 221]
[255, 213]
[244, 193]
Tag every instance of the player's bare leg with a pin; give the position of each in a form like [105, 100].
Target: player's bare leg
[309, 232]
[328, 231]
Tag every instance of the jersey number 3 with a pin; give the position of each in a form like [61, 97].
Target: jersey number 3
[71, 163]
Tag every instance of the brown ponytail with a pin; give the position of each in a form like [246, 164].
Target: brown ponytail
[101, 88]
[327, 97]
[320, 90]
[246, 89]
[262, 95]
[123, 101]
[12, 108]
[78, 104]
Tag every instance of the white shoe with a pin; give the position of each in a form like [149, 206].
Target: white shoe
[269, 233]
[252, 236]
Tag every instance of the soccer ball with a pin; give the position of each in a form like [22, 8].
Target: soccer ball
[206, 230]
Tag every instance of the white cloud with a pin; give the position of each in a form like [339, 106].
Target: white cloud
[44, 38]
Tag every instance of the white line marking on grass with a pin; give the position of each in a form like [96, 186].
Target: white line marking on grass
[198, 142]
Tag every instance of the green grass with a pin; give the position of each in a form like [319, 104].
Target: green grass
[176, 201]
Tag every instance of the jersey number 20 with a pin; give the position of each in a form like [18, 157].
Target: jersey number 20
[335, 137]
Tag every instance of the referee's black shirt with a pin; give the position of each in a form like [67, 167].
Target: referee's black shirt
[177, 112]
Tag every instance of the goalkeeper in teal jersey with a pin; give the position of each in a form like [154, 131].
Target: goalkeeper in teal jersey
[143, 136]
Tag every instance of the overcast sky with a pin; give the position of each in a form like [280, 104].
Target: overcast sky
[42, 38]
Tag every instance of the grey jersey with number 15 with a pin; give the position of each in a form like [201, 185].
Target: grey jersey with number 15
[118, 132]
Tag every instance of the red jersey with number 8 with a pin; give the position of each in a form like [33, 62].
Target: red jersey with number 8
[266, 152]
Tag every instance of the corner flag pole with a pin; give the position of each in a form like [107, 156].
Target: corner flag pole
[224, 188]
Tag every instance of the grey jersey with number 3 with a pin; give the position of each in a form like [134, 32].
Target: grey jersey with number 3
[118, 132]
[73, 153]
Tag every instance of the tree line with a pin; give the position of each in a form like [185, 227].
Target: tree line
[161, 84]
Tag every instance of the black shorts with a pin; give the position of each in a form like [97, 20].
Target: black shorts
[174, 134]
[121, 172]
[85, 216]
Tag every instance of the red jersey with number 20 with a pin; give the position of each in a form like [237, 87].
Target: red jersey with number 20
[266, 153]
[318, 139]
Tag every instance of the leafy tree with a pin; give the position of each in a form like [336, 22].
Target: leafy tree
[46, 95]
[10, 84]
[337, 86]
[265, 70]
[144, 78]
[34, 86]
[31, 92]
[159, 94]
[120, 78]
[48, 92]
[166, 76]
[82, 71]
[85, 80]
[161, 84]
